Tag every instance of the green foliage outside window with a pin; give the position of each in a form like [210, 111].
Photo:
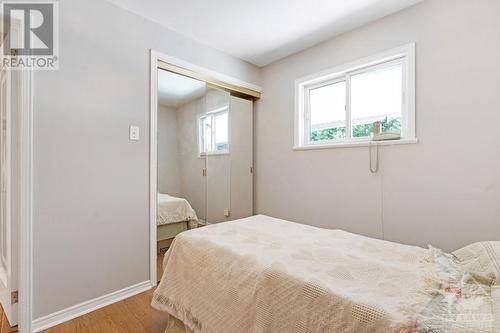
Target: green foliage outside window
[358, 131]
[328, 134]
[391, 125]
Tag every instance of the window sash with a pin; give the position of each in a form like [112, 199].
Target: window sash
[202, 133]
[346, 77]
[307, 109]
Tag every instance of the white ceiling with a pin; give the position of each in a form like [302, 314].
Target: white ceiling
[175, 90]
[262, 31]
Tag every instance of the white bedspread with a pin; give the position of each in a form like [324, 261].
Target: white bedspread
[262, 274]
[172, 210]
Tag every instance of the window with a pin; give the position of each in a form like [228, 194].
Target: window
[327, 112]
[344, 105]
[214, 132]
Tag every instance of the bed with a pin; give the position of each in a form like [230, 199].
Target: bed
[262, 274]
[175, 215]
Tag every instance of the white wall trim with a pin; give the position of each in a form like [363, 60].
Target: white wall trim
[364, 143]
[153, 165]
[77, 310]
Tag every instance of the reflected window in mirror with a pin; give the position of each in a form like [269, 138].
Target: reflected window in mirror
[213, 133]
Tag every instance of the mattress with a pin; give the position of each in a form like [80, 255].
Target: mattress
[173, 210]
[262, 274]
[169, 231]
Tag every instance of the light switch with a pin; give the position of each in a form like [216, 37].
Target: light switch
[134, 133]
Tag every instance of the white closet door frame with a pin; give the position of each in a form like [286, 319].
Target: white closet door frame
[153, 140]
[8, 267]
[24, 94]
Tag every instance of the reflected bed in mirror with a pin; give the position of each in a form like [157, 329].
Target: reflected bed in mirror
[174, 216]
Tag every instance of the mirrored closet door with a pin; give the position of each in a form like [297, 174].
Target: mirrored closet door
[205, 155]
[215, 148]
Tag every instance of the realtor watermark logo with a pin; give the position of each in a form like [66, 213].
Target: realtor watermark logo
[30, 35]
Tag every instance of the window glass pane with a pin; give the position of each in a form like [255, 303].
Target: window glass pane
[376, 96]
[201, 133]
[221, 131]
[207, 134]
[327, 105]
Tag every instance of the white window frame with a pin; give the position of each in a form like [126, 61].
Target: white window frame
[404, 55]
[201, 144]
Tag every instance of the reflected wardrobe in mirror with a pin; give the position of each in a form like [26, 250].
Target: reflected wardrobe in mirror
[205, 155]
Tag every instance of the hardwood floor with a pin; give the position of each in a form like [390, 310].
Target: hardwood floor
[159, 265]
[4, 323]
[133, 315]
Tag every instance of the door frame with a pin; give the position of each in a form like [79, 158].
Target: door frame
[6, 150]
[191, 70]
[25, 227]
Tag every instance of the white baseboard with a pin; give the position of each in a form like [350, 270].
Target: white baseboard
[77, 310]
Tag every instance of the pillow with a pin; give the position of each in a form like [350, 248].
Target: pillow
[482, 258]
[465, 297]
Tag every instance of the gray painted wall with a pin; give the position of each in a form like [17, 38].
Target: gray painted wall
[445, 190]
[91, 209]
[168, 153]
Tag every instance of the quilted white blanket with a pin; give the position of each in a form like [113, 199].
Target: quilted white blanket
[262, 274]
[172, 210]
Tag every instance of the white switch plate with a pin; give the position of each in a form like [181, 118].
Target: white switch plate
[134, 133]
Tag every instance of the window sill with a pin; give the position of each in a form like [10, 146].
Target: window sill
[213, 154]
[356, 144]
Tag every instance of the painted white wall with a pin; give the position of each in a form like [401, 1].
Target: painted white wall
[91, 215]
[168, 154]
[445, 190]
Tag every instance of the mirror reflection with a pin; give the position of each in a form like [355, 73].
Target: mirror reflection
[204, 137]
